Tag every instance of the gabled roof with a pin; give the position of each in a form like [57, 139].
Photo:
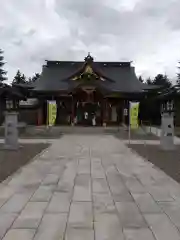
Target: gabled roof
[10, 92]
[170, 93]
[112, 76]
[152, 87]
[26, 85]
[123, 76]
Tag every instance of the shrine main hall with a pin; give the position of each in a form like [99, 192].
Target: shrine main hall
[99, 89]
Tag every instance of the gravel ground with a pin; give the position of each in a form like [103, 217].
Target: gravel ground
[11, 161]
[35, 133]
[168, 161]
[135, 135]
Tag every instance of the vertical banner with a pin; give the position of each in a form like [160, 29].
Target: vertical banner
[52, 113]
[134, 111]
[133, 117]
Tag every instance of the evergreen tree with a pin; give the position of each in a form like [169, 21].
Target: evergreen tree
[23, 79]
[19, 78]
[2, 72]
[178, 77]
[35, 77]
[140, 79]
[162, 80]
[149, 81]
[29, 79]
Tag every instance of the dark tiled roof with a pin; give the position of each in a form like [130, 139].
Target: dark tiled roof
[53, 78]
[118, 77]
[170, 93]
[124, 78]
[26, 85]
[10, 91]
[151, 87]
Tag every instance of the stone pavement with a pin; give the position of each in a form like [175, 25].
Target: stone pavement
[89, 187]
[39, 140]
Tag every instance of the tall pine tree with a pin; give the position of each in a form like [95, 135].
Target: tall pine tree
[2, 72]
[162, 80]
[149, 81]
[29, 79]
[23, 79]
[19, 78]
[178, 77]
[35, 77]
[141, 79]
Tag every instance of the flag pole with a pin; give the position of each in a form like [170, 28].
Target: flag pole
[129, 132]
[47, 117]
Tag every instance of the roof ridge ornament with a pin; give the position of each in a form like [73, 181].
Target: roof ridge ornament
[89, 59]
[88, 69]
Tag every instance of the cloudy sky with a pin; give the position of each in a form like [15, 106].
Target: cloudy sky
[144, 31]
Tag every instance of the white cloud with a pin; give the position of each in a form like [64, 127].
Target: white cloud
[146, 32]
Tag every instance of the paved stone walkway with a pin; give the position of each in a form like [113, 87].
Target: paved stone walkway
[89, 187]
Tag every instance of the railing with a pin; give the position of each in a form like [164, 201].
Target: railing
[145, 124]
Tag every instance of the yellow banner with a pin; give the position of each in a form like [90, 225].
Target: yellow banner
[52, 112]
[134, 111]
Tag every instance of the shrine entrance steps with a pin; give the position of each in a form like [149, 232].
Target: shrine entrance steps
[73, 130]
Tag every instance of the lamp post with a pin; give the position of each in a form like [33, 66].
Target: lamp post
[11, 105]
[168, 107]
[11, 124]
[167, 125]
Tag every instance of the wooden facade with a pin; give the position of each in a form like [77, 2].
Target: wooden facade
[100, 90]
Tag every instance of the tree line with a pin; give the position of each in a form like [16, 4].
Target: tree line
[2, 72]
[20, 78]
[160, 80]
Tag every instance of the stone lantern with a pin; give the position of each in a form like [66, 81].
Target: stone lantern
[167, 126]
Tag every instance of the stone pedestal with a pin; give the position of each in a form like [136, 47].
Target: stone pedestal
[11, 131]
[167, 131]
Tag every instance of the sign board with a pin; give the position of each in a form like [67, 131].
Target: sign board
[133, 116]
[125, 112]
[29, 102]
[52, 112]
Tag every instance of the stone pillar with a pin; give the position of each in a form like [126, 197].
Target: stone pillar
[167, 131]
[11, 130]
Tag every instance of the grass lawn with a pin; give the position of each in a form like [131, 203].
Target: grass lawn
[11, 161]
[168, 161]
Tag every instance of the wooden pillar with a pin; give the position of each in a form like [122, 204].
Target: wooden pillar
[40, 117]
[108, 111]
[123, 112]
[72, 111]
[127, 116]
[88, 97]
